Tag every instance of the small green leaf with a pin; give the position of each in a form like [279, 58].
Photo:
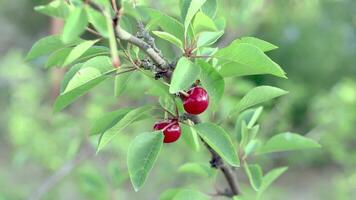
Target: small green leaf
[258, 95]
[242, 59]
[125, 121]
[56, 8]
[108, 121]
[190, 137]
[98, 20]
[185, 73]
[141, 156]
[78, 51]
[169, 37]
[75, 25]
[269, 178]
[189, 9]
[219, 140]
[261, 44]
[212, 81]
[169, 194]
[46, 46]
[208, 38]
[90, 74]
[254, 174]
[121, 82]
[203, 23]
[190, 195]
[287, 142]
[57, 58]
[197, 169]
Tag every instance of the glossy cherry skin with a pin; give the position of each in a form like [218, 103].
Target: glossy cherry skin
[171, 130]
[197, 101]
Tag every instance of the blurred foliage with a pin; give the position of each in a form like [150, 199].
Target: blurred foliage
[317, 41]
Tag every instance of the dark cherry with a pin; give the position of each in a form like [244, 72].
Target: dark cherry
[197, 101]
[171, 130]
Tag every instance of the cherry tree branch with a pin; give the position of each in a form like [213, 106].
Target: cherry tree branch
[151, 51]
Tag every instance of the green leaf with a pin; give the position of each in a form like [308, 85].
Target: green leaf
[212, 81]
[167, 23]
[57, 8]
[189, 9]
[78, 51]
[208, 38]
[185, 73]
[251, 146]
[57, 58]
[269, 178]
[210, 8]
[219, 140]
[203, 23]
[141, 156]
[169, 194]
[46, 46]
[75, 25]
[121, 82]
[98, 20]
[287, 142]
[261, 44]
[241, 59]
[125, 121]
[169, 37]
[190, 137]
[90, 74]
[197, 169]
[190, 195]
[254, 174]
[258, 95]
[108, 121]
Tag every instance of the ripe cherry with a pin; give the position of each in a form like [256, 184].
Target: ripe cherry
[197, 101]
[171, 130]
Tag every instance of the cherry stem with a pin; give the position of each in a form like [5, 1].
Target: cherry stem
[169, 112]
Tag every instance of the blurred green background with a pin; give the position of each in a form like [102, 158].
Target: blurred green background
[317, 49]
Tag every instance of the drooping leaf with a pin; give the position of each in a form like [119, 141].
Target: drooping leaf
[197, 169]
[208, 38]
[212, 81]
[78, 51]
[121, 82]
[210, 8]
[269, 178]
[125, 121]
[190, 137]
[287, 142]
[219, 140]
[75, 25]
[258, 95]
[56, 8]
[188, 11]
[242, 59]
[169, 37]
[108, 121]
[185, 73]
[188, 194]
[203, 23]
[98, 20]
[141, 156]
[90, 74]
[46, 46]
[261, 44]
[254, 174]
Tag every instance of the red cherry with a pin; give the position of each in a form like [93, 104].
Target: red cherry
[171, 130]
[197, 101]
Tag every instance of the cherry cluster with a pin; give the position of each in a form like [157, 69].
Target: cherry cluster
[196, 102]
